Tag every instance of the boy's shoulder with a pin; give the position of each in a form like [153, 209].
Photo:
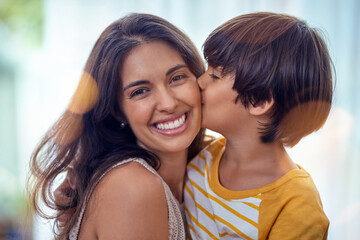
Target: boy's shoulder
[294, 192]
[294, 209]
[298, 184]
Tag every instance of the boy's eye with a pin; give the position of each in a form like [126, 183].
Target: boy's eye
[213, 76]
[138, 92]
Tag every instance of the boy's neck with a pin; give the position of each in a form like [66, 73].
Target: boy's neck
[248, 151]
[248, 163]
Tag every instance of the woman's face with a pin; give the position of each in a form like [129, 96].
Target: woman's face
[161, 98]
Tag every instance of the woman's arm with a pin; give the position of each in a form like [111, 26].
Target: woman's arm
[128, 203]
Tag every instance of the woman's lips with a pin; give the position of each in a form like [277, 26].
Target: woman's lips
[172, 127]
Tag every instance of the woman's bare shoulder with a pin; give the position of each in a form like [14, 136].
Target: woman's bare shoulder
[130, 182]
[129, 199]
[129, 175]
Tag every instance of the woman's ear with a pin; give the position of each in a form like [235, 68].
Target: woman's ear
[262, 107]
[118, 116]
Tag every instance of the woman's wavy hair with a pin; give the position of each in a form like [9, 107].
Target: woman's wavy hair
[88, 135]
[276, 56]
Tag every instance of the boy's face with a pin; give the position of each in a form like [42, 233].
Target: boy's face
[219, 110]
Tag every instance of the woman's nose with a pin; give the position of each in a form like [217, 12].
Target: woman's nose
[167, 101]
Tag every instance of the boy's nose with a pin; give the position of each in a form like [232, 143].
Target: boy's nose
[201, 81]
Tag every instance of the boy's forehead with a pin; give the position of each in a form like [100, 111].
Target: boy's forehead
[224, 70]
[216, 68]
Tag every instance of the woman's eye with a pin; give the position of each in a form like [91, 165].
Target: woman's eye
[213, 76]
[178, 78]
[138, 92]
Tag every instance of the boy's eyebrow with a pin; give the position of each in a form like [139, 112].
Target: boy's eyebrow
[175, 68]
[136, 83]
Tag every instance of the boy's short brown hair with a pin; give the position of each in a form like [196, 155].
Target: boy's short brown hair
[276, 56]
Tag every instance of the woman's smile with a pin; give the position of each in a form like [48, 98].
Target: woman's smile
[173, 125]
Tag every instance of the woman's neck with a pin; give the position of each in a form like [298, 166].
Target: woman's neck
[172, 170]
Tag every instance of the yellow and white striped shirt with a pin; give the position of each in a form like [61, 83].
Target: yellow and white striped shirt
[279, 210]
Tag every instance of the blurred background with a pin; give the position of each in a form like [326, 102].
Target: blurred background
[44, 45]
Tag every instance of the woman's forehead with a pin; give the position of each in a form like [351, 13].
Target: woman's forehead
[150, 59]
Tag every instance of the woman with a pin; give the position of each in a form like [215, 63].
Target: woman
[137, 108]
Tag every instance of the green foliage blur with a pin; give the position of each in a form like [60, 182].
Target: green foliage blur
[24, 18]
[21, 31]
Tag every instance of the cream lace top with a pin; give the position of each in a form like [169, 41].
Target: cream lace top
[176, 221]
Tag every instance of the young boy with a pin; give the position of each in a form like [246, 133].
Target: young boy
[268, 84]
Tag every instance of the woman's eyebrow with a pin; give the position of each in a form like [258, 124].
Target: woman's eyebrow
[175, 68]
[140, 82]
[136, 83]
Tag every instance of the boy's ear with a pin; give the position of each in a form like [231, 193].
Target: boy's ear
[261, 108]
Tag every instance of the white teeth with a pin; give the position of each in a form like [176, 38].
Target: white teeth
[171, 125]
[177, 123]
